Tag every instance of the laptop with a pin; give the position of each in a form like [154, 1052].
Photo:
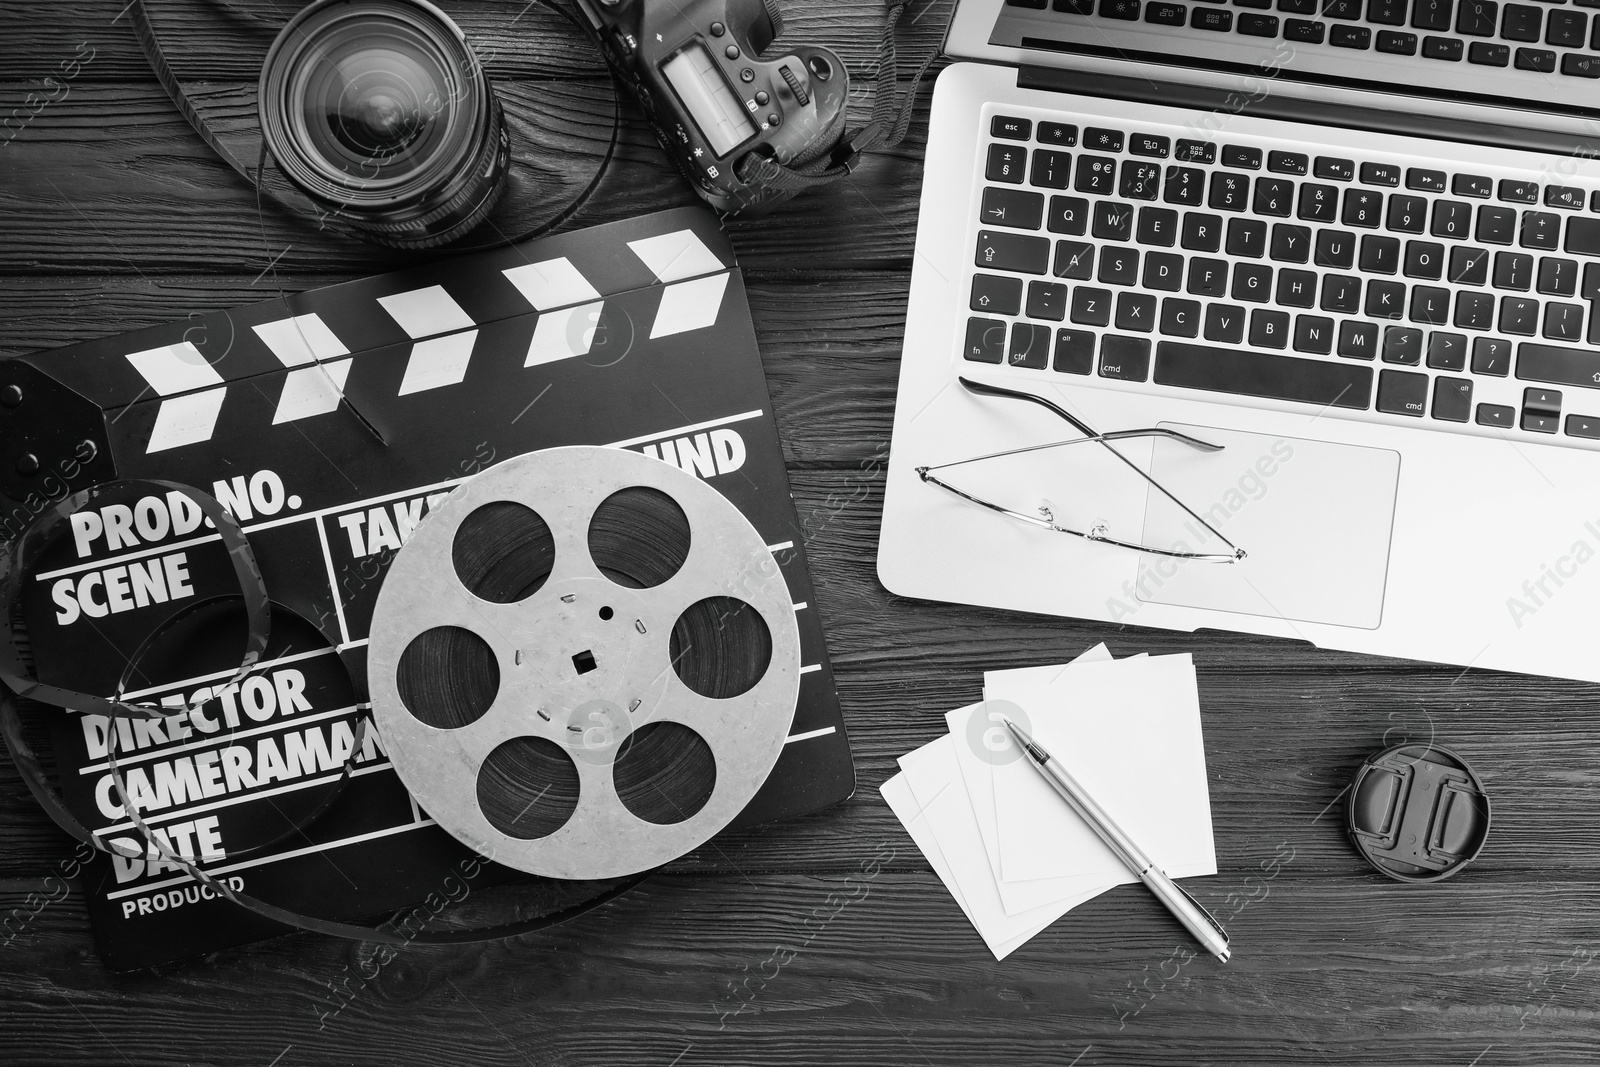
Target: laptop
[1302, 299]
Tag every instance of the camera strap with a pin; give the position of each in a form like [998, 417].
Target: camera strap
[886, 129]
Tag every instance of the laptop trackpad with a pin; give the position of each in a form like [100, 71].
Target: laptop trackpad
[1314, 519]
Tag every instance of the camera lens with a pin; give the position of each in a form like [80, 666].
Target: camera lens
[379, 110]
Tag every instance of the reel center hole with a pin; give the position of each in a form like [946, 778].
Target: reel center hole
[584, 662]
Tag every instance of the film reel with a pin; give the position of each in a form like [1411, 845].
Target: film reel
[585, 663]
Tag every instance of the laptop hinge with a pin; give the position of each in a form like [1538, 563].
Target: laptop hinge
[1312, 112]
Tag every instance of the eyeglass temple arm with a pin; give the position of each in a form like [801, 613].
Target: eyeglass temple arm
[984, 389]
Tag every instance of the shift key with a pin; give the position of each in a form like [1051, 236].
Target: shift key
[1559, 365]
[1013, 251]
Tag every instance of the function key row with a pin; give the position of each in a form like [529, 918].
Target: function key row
[1010, 128]
[1473, 18]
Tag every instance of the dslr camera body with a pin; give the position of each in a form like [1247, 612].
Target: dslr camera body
[720, 107]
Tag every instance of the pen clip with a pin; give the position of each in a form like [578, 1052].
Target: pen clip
[1212, 919]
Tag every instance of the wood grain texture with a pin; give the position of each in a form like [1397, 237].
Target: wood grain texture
[513, 38]
[126, 148]
[773, 946]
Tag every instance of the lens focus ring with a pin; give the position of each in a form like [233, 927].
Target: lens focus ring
[378, 111]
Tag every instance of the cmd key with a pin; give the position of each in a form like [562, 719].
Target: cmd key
[1012, 251]
[1402, 393]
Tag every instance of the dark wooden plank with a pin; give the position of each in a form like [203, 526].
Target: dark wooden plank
[126, 146]
[862, 969]
[513, 38]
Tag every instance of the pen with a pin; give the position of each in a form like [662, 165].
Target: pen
[1188, 911]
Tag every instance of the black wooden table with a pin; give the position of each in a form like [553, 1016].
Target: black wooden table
[113, 216]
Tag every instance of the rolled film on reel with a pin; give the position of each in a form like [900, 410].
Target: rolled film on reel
[585, 663]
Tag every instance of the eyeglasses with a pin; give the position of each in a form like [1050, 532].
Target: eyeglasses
[1046, 514]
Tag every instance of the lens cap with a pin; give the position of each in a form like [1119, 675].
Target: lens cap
[1417, 812]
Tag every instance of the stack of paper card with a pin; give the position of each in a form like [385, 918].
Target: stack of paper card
[1009, 849]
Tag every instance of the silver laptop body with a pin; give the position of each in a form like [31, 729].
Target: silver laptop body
[1372, 278]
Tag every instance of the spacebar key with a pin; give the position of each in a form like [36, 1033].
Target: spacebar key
[1243, 373]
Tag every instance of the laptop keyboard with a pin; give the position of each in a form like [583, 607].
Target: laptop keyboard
[1523, 53]
[1381, 284]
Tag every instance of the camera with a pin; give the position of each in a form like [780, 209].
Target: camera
[380, 113]
[719, 105]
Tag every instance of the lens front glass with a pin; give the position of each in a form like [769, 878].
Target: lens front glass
[377, 100]
[378, 109]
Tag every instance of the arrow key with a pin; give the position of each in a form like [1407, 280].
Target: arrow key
[1544, 401]
[1541, 409]
[996, 295]
[1015, 208]
[1534, 422]
[1498, 415]
[1583, 426]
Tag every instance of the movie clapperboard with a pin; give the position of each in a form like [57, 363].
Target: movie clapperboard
[329, 423]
